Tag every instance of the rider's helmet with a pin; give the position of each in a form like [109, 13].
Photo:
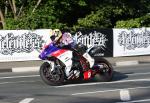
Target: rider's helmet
[55, 35]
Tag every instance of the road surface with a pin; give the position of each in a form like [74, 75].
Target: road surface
[131, 84]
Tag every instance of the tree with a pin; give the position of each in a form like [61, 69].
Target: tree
[106, 13]
[35, 14]
[2, 22]
[143, 21]
[48, 14]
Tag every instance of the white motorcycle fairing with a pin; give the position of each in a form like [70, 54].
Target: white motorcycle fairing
[66, 57]
[88, 57]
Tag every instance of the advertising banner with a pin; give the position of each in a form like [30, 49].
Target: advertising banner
[131, 42]
[22, 45]
[100, 39]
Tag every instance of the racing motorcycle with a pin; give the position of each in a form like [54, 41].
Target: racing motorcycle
[84, 67]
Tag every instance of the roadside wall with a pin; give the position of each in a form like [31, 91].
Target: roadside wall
[24, 45]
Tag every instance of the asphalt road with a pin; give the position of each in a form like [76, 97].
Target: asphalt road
[130, 85]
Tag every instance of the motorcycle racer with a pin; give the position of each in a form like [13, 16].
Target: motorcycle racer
[65, 64]
[66, 40]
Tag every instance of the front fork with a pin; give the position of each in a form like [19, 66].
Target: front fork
[51, 63]
[54, 67]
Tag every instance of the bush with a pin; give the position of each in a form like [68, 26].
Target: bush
[143, 21]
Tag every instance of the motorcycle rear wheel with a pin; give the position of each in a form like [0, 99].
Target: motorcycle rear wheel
[53, 78]
[104, 74]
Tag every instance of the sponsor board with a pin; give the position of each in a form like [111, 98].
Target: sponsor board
[22, 45]
[100, 39]
[131, 42]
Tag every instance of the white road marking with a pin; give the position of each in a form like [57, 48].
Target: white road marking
[125, 95]
[28, 76]
[17, 82]
[96, 83]
[83, 93]
[25, 69]
[27, 100]
[72, 85]
[138, 73]
[127, 63]
[136, 101]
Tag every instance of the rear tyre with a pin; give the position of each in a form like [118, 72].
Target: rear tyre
[54, 78]
[105, 71]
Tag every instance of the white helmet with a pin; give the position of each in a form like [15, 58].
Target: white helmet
[55, 35]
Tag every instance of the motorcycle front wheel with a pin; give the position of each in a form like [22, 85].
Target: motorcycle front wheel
[53, 77]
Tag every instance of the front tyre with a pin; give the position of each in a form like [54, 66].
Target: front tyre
[53, 77]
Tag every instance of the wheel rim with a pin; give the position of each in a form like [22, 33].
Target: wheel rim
[106, 70]
[51, 75]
